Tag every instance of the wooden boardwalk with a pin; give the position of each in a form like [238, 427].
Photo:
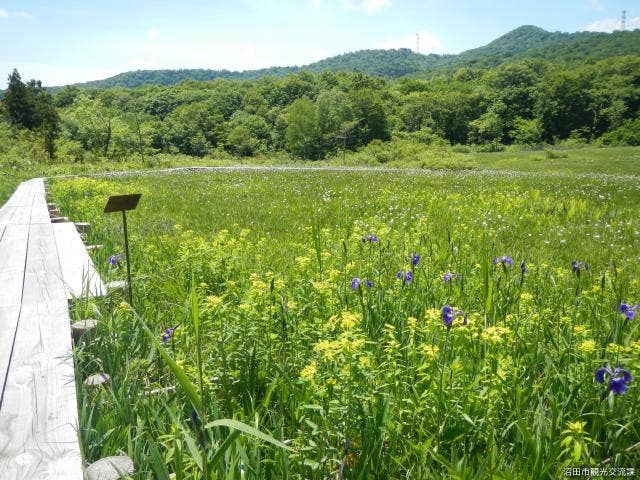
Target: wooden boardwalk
[42, 265]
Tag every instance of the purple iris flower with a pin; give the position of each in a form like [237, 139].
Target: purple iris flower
[504, 260]
[577, 265]
[628, 311]
[447, 277]
[449, 314]
[415, 259]
[357, 281]
[406, 277]
[370, 238]
[168, 333]
[619, 378]
[113, 260]
[523, 267]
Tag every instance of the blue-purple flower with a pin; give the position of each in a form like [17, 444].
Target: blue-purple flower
[577, 265]
[447, 277]
[619, 378]
[406, 277]
[113, 260]
[628, 311]
[356, 282]
[168, 333]
[415, 259]
[370, 238]
[523, 267]
[449, 314]
[504, 260]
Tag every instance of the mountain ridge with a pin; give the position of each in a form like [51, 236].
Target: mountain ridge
[527, 41]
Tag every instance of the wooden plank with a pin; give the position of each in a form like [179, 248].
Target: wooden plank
[5, 214]
[79, 275]
[38, 415]
[23, 195]
[13, 251]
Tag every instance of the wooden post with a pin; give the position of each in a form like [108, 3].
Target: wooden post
[110, 468]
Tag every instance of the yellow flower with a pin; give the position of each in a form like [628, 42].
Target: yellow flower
[526, 298]
[303, 262]
[309, 371]
[495, 334]
[587, 346]
[565, 320]
[364, 361]
[580, 330]
[617, 349]
[577, 428]
[432, 315]
[411, 323]
[348, 320]
[213, 302]
[430, 351]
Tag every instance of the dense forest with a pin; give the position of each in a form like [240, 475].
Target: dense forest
[527, 101]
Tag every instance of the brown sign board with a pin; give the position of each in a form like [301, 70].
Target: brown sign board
[119, 203]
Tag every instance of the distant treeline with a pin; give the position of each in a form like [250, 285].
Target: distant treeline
[312, 115]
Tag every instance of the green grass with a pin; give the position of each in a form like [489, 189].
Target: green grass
[612, 161]
[255, 268]
[578, 160]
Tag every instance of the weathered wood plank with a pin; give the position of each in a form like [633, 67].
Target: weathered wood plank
[13, 251]
[78, 272]
[21, 197]
[38, 416]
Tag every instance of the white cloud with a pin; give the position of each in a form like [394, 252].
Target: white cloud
[429, 42]
[316, 3]
[7, 14]
[369, 6]
[611, 24]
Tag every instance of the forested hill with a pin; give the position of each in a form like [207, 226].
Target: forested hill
[383, 63]
[524, 42]
[558, 47]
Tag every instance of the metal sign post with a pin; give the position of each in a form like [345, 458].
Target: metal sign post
[122, 203]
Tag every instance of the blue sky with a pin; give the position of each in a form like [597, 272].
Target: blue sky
[65, 41]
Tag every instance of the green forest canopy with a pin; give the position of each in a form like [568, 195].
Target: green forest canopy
[524, 101]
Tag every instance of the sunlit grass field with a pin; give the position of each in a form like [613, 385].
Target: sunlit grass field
[313, 308]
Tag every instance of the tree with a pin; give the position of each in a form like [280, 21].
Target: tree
[18, 102]
[369, 110]
[30, 106]
[303, 137]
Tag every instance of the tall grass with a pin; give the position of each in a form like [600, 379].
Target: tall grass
[328, 381]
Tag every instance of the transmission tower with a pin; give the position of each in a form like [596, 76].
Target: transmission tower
[623, 21]
[417, 43]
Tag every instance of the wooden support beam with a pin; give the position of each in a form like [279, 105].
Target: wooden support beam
[83, 328]
[118, 286]
[97, 380]
[83, 227]
[110, 468]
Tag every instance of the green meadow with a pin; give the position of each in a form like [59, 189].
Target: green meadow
[412, 323]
